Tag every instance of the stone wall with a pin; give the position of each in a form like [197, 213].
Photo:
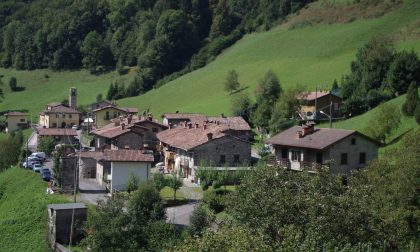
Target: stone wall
[87, 168]
[69, 173]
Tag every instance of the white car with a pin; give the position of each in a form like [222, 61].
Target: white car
[37, 167]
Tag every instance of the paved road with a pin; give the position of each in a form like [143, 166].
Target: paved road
[33, 141]
[91, 192]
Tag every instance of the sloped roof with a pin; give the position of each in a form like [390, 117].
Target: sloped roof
[314, 95]
[125, 110]
[186, 116]
[235, 123]
[16, 113]
[187, 139]
[56, 132]
[111, 131]
[60, 109]
[127, 156]
[320, 139]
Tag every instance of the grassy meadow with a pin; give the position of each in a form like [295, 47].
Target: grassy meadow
[310, 56]
[23, 211]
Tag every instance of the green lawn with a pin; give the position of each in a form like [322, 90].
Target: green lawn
[168, 194]
[309, 56]
[23, 211]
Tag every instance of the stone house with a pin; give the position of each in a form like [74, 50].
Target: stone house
[189, 146]
[174, 119]
[16, 121]
[101, 104]
[60, 135]
[103, 115]
[317, 101]
[115, 166]
[130, 132]
[307, 147]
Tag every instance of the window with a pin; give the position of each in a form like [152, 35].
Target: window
[362, 158]
[63, 115]
[56, 115]
[343, 158]
[353, 141]
[295, 155]
[236, 158]
[22, 120]
[155, 130]
[222, 159]
[107, 115]
[284, 153]
[69, 115]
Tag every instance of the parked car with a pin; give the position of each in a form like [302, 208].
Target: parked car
[44, 169]
[37, 167]
[39, 155]
[46, 175]
[30, 164]
[75, 127]
[36, 158]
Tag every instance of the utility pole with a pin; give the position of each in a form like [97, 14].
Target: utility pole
[331, 114]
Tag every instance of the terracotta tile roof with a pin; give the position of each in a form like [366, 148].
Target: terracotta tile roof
[54, 104]
[126, 110]
[56, 132]
[60, 109]
[235, 123]
[320, 139]
[138, 120]
[186, 116]
[15, 113]
[127, 156]
[187, 139]
[111, 131]
[97, 155]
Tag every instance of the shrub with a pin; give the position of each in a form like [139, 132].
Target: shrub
[216, 199]
[216, 184]
[200, 218]
[132, 183]
[417, 113]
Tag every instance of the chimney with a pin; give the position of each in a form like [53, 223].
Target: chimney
[204, 126]
[217, 122]
[222, 115]
[170, 125]
[190, 125]
[196, 125]
[209, 136]
[185, 124]
[299, 134]
[123, 126]
[73, 98]
[129, 118]
[150, 117]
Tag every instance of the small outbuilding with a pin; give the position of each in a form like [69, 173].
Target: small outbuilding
[60, 221]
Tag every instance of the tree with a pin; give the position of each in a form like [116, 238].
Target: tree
[384, 121]
[94, 51]
[200, 218]
[417, 113]
[99, 98]
[13, 83]
[46, 144]
[268, 88]
[411, 100]
[159, 181]
[241, 105]
[132, 183]
[404, 69]
[175, 183]
[57, 165]
[231, 82]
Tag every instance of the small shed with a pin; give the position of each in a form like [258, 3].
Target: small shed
[59, 223]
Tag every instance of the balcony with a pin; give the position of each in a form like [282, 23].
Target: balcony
[299, 165]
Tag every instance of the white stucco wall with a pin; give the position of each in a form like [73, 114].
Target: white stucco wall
[121, 170]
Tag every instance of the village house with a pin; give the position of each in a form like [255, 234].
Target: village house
[176, 118]
[113, 167]
[307, 147]
[209, 143]
[320, 101]
[57, 115]
[16, 121]
[130, 132]
[103, 115]
[60, 135]
[101, 104]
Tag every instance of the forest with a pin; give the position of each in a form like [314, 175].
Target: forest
[164, 38]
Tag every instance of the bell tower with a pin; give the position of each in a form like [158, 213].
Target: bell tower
[73, 98]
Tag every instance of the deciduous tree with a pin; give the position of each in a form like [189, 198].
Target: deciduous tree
[231, 82]
[411, 100]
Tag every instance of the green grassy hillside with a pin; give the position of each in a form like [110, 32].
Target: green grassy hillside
[310, 56]
[23, 211]
[40, 90]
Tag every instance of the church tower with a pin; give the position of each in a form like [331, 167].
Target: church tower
[73, 98]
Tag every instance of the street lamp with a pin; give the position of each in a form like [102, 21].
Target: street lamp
[329, 116]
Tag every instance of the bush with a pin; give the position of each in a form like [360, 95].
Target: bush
[216, 199]
[200, 218]
[216, 184]
[417, 113]
[132, 183]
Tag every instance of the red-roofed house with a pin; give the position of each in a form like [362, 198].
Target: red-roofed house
[113, 167]
[307, 147]
[193, 144]
[16, 120]
[60, 135]
[321, 100]
[103, 115]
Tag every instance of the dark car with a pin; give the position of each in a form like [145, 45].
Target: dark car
[44, 169]
[46, 175]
